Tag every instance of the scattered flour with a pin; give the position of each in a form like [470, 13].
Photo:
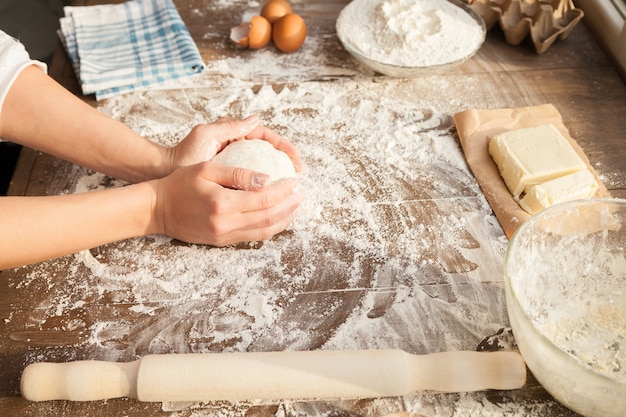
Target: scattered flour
[374, 165]
[412, 33]
[395, 245]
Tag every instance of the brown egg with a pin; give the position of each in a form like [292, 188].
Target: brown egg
[275, 9]
[254, 34]
[288, 32]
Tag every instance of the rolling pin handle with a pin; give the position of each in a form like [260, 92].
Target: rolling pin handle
[79, 381]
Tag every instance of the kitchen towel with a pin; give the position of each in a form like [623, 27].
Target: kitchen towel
[130, 46]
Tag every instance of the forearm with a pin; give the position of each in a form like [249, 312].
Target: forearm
[41, 114]
[39, 228]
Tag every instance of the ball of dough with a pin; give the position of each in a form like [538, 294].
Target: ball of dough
[257, 155]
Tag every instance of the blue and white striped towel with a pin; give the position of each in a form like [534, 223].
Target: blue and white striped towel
[130, 46]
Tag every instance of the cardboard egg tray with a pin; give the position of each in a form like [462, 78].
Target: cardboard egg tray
[545, 20]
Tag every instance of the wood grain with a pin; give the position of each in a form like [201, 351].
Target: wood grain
[574, 75]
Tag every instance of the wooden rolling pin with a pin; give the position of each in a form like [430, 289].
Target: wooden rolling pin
[273, 375]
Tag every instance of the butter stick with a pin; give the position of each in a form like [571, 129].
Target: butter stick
[580, 184]
[531, 156]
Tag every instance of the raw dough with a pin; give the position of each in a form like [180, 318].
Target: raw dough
[257, 155]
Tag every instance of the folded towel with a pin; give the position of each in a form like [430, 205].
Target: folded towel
[130, 46]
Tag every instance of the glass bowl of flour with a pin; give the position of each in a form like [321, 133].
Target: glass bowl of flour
[410, 38]
[565, 277]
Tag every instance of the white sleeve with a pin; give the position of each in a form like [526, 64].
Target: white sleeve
[13, 59]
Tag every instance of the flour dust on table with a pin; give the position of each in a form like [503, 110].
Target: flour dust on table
[394, 247]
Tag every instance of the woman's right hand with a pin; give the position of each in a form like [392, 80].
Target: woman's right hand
[217, 205]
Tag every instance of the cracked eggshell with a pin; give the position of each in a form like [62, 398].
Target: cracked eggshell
[275, 9]
[289, 32]
[254, 34]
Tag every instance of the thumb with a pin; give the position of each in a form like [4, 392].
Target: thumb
[235, 178]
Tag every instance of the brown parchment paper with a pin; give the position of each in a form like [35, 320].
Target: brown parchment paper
[475, 128]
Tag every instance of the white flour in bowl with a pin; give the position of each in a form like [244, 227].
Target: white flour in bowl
[572, 290]
[410, 33]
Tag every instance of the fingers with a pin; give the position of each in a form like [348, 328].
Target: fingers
[227, 129]
[265, 194]
[263, 224]
[206, 203]
[217, 205]
[279, 142]
[235, 178]
[269, 197]
[249, 128]
[250, 210]
[238, 128]
[206, 140]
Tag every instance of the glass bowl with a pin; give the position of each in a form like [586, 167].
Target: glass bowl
[404, 71]
[565, 277]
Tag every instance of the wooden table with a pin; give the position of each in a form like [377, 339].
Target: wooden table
[408, 255]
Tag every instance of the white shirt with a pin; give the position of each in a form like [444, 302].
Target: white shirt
[13, 59]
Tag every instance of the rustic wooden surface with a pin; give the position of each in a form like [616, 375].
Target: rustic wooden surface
[573, 74]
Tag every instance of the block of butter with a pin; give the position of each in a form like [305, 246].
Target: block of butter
[533, 155]
[537, 164]
[580, 184]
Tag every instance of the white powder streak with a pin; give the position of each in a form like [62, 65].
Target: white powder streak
[366, 151]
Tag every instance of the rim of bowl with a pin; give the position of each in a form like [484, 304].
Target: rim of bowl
[512, 247]
[459, 3]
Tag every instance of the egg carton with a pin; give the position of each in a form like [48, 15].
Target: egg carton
[545, 20]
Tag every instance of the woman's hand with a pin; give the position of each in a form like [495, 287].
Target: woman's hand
[206, 203]
[197, 204]
[175, 190]
[211, 204]
[205, 141]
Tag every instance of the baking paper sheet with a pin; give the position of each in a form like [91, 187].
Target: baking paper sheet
[475, 128]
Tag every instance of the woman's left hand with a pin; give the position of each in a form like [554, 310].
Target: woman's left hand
[206, 140]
